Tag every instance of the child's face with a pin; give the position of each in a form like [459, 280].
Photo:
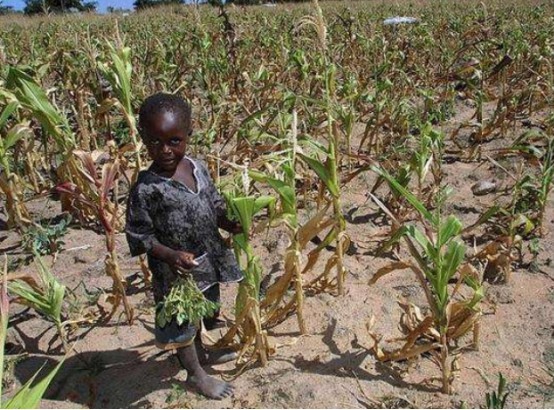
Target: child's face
[166, 136]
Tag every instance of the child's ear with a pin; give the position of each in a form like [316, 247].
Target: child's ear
[190, 132]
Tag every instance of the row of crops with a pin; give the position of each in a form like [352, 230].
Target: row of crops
[290, 105]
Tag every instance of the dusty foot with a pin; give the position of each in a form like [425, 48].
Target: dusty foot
[216, 356]
[211, 387]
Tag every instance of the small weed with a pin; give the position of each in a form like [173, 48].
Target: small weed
[45, 239]
[177, 398]
[497, 399]
[535, 249]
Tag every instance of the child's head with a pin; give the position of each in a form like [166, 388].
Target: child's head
[165, 124]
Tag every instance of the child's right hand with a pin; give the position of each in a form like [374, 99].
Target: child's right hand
[181, 259]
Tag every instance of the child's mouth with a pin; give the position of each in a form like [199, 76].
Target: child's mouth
[169, 161]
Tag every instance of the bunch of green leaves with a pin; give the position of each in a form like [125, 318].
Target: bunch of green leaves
[24, 90]
[438, 251]
[497, 399]
[30, 394]
[45, 239]
[45, 296]
[243, 209]
[184, 303]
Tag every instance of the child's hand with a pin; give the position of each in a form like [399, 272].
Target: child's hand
[181, 259]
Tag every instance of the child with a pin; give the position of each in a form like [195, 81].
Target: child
[173, 216]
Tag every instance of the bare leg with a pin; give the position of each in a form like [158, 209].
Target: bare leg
[206, 356]
[207, 385]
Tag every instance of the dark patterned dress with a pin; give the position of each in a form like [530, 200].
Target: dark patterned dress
[166, 211]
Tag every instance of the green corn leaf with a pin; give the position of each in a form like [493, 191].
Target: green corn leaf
[318, 146]
[29, 92]
[9, 110]
[33, 98]
[423, 241]
[448, 230]
[393, 240]
[48, 300]
[452, 259]
[323, 173]
[30, 296]
[29, 397]
[411, 198]
[286, 193]
[243, 209]
[263, 202]
[14, 135]
[118, 74]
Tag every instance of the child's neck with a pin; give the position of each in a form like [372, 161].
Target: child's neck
[183, 173]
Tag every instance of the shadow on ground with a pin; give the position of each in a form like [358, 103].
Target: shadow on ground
[107, 379]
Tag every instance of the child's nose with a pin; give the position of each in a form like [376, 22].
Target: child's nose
[165, 148]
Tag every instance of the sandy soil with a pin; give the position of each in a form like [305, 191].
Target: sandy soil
[116, 365]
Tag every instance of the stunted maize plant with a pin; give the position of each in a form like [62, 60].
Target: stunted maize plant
[46, 296]
[30, 394]
[248, 319]
[438, 257]
[92, 194]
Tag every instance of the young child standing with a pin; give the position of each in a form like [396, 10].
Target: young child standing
[174, 214]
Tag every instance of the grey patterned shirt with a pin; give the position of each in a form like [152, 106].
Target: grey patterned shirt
[167, 211]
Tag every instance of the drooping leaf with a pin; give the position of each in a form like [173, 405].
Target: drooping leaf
[411, 198]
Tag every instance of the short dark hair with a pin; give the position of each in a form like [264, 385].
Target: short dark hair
[160, 103]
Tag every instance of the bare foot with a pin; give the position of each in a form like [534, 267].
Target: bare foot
[211, 387]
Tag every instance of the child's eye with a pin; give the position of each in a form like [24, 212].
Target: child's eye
[175, 141]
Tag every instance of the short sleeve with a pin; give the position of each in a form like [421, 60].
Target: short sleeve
[139, 228]
[215, 197]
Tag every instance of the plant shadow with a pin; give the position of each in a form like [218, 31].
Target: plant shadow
[118, 378]
[350, 364]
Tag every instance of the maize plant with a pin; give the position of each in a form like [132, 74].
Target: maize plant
[92, 195]
[30, 394]
[118, 73]
[438, 256]
[10, 183]
[45, 296]
[30, 97]
[275, 307]
[248, 323]
[328, 174]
